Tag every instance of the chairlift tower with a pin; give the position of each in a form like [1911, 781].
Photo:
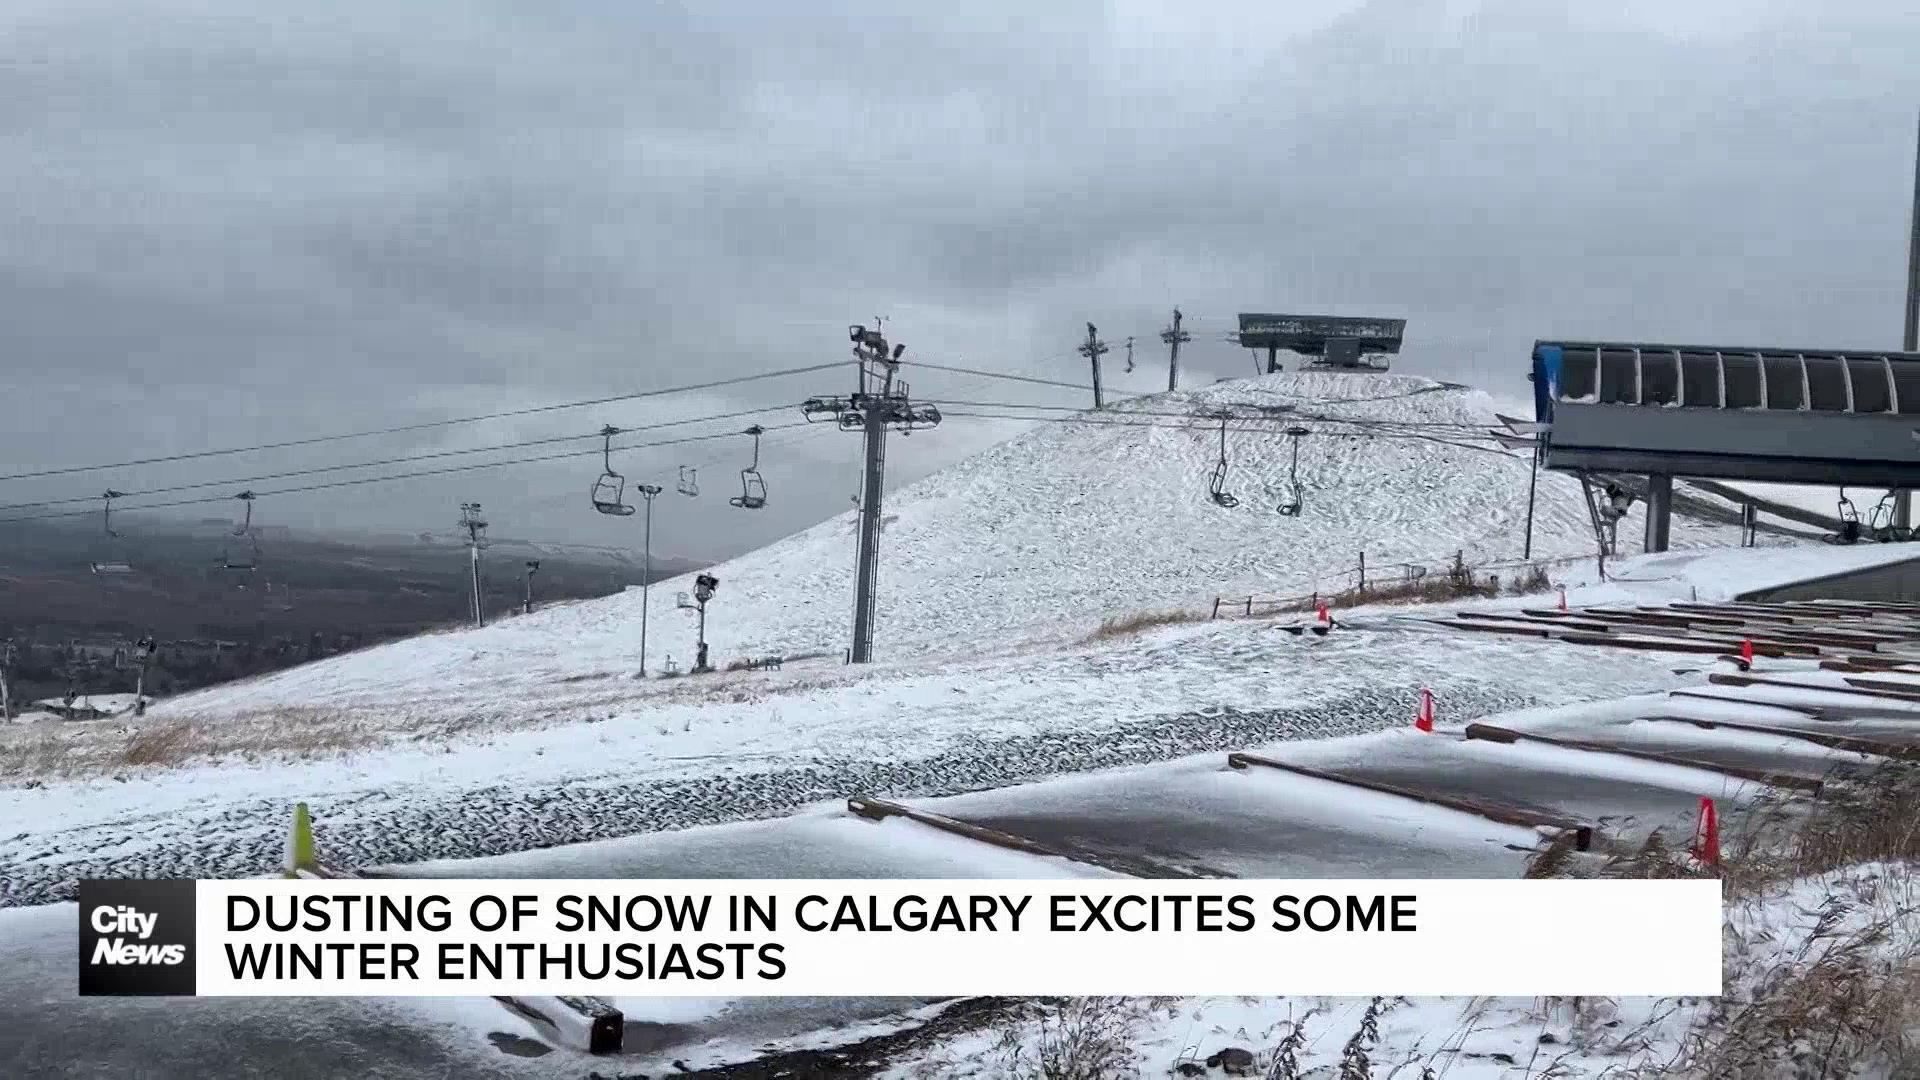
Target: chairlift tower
[476, 527]
[526, 605]
[1174, 336]
[1093, 350]
[872, 414]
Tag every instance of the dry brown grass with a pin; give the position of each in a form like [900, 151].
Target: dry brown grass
[1847, 1001]
[1127, 625]
[115, 747]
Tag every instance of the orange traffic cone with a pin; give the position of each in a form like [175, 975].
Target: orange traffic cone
[1325, 616]
[1746, 650]
[1563, 598]
[1706, 835]
[1423, 720]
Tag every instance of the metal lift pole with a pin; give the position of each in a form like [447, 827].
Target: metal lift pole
[646, 573]
[872, 492]
[1910, 339]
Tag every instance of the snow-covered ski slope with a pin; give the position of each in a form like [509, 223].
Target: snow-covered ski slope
[1045, 535]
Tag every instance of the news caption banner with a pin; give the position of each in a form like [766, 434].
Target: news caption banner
[801, 938]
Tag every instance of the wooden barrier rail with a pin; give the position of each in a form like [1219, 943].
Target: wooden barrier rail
[1505, 815]
[1492, 733]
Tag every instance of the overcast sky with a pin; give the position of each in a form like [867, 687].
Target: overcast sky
[227, 223]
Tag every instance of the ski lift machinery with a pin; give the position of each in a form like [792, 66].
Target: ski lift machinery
[609, 491]
[753, 488]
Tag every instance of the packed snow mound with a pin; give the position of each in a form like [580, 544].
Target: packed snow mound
[1054, 530]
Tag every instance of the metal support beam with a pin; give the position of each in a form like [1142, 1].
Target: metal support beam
[1910, 336]
[1659, 511]
[872, 492]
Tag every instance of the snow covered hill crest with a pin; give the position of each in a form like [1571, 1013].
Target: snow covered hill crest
[1050, 532]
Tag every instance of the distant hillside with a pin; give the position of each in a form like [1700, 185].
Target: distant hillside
[310, 596]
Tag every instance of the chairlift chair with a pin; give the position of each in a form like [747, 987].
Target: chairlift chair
[1290, 506]
[252, 561]
[609, 490]
[1881, 523]
[1849, 521]
[753, 489]
[1217, 485]
[109, 565]
[689, 481]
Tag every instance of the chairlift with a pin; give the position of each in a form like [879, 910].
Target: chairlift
[110, 566]
[1216, 486]
[1881, 523]
[610, 488]
[753, 489]
[689, 481]
[1850, 530]
[252, 561]
[1290, 506]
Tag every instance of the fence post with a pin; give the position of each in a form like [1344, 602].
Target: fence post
[1216, 608]
[1249, 607]
[1363, 573]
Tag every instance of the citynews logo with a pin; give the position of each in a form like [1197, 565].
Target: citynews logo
[136, 937]
[118, 950]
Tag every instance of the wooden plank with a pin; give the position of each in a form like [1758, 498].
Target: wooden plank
[1850, 743]
[1722, 678]
[1496, 628]
[881, 809]
[1505, 815]
[1869, 663]
[1528, 620]
[1908, 691]
[1816, 712]
[1492, 733]
[1649, 643]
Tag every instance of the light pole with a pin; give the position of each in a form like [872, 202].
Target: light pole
[533, 567]
[703, 589]
[147, 647]
[646, 572]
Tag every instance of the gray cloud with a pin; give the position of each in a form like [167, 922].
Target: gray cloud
[227, 225]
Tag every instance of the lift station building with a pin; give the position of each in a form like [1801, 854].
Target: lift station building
[1811, 416]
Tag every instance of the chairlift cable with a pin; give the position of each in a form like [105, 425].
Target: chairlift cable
[1244, 424]
[405, 459]
[429, 424]
[389, 478]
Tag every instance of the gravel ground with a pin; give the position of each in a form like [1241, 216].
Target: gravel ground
[372, 828]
